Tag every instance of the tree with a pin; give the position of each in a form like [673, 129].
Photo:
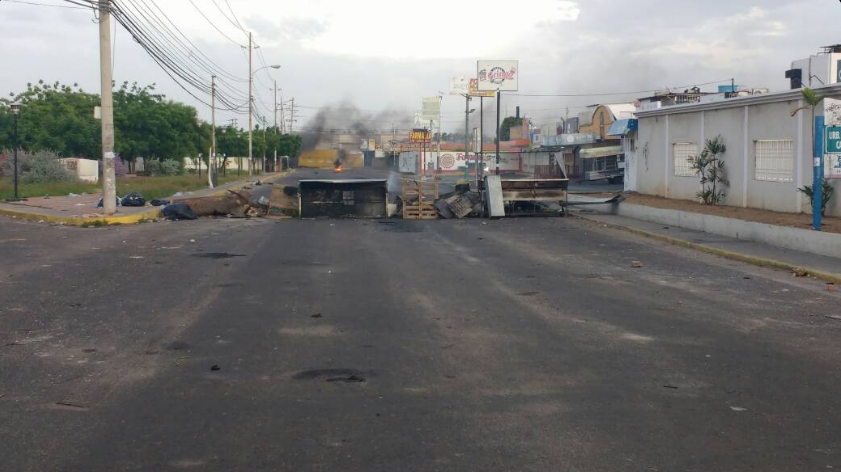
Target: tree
[812, 101]
[505, 127]
[711, 170]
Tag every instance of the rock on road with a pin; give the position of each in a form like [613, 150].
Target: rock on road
[406, 345]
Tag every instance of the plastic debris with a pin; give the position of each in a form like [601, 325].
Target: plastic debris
[178, 211]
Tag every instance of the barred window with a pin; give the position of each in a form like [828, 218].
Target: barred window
[774, 160]
[682, 152]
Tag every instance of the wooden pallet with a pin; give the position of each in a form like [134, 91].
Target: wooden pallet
[422, 194]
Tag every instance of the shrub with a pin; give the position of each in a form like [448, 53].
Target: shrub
[167, 167]
[39, 167]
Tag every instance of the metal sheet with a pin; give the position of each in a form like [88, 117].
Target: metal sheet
[493, 197]
[343, 198]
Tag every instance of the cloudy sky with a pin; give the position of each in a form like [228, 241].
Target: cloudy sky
[384, 56]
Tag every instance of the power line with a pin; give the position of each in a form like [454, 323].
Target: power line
[48, 5]
[213, 24]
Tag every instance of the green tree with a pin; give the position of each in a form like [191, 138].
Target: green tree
[506, 125]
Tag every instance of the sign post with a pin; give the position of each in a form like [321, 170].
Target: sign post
[497, 76]
[817, 173]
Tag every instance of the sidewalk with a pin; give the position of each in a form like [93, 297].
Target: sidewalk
[81, 210]
[761, 254]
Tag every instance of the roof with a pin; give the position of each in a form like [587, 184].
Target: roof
[599, 152]
[833, 90]
[623, 127]
[621, 110]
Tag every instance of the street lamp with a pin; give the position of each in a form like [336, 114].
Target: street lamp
[15, 111]
[251, 103]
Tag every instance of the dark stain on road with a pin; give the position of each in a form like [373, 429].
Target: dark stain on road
[331, 375]
[218, 255]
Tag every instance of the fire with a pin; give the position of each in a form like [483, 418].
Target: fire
[339, 168]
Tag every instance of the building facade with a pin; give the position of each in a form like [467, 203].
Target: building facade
[768, 156]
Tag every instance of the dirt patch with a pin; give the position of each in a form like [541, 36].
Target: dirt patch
[830, 224]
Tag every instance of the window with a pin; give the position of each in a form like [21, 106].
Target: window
[774, 160]
[682, 152]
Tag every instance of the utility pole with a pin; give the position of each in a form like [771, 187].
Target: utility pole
[498, 106]
[211, 160]
[292, 116]
[109, 190]
[466, 137]
[438, 160]
[481, 168]
[250, 105]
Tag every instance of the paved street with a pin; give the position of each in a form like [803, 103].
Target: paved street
[525, 343]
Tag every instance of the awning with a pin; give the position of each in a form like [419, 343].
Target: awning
[600, 152]
[623, 127]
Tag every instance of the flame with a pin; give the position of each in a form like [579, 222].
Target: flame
[338, 168]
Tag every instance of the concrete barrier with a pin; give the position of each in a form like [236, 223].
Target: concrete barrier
[828, 244]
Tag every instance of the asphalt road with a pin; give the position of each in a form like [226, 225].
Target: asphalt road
[517, 344]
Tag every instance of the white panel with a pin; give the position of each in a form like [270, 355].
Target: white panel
[774, 160]
[681, 153]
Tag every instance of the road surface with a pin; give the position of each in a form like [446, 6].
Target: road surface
[516, 344]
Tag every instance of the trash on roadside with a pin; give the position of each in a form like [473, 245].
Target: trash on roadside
[178, 194]
[799, 272]
[830, 287]
[234, 203]
[133, 199]
[833, 317]
[99, 204]
[636, 264]
[178, 211]
[215, 368]
[72, 195]
[159, 202]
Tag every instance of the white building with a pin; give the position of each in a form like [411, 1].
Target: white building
[768, 157]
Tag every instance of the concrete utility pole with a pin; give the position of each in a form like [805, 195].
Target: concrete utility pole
[498, 106]
[109, 184]
[275, 104]
[211, 160]
[292, 116]
[466, 136]
[438, 160]
[481, 168]
[250, 105]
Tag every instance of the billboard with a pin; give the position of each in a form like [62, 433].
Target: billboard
[497, 75]
[419, 136]
[459, 85]
[431, 109]
[475, 92]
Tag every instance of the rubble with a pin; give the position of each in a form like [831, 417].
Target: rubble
[234, 203]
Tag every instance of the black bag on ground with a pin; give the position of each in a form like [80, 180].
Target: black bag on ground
[158, 202]
[133, 199]
[178, 211]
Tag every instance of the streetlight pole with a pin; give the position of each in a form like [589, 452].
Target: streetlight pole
[211, 160]
[250, 103]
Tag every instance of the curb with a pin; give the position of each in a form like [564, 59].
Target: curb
[84, 221]
[113, 220]
[754, 260]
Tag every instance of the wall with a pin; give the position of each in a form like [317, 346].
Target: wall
[84, 169]
[739, 122]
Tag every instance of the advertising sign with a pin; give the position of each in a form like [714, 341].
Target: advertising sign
[497, 75]
[832, 111]
[419, 135]
[832, 166]
[475, 92]
[431, 108]
[459, 85]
